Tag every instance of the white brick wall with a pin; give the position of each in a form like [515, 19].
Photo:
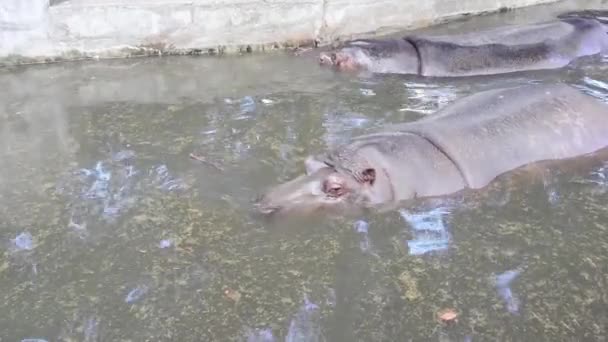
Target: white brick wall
[77, 28]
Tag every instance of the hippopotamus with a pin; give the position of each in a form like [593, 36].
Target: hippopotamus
[511, 48]
[465, 145]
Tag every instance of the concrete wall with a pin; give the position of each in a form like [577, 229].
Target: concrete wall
[39, 30]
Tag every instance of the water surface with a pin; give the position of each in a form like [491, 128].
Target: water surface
[110, 232]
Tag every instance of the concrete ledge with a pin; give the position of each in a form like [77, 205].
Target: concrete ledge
[38, 31]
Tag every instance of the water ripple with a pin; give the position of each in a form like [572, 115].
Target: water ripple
[594, 87]
[341, 127]
[427, 98]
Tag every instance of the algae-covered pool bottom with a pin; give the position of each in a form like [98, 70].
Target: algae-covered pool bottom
[110, 232]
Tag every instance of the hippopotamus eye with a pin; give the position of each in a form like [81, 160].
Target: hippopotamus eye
[333, 189]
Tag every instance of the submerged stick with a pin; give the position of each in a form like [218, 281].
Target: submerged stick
[205, 161]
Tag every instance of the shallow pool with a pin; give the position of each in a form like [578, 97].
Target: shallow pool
[110, 232]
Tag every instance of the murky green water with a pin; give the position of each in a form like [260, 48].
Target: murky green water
[110, 232]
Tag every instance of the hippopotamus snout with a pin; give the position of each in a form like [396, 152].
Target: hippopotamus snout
[327, 58]
[324, 190]
[345, 59]
[268, 205]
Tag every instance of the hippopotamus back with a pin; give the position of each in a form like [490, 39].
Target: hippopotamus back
[504, 49]
[544, 46]
[495, 131]
[508, 34]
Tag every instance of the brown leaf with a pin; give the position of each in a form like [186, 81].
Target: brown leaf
[447, 315]
[233, 295]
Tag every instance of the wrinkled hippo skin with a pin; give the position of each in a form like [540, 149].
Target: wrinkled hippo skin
[506, 49]
[466, 145]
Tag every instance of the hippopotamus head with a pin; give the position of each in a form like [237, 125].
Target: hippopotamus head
[382, 56]
[323, 189]
[347, 59]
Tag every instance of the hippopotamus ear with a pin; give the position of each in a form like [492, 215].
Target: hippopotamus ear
[369, 176]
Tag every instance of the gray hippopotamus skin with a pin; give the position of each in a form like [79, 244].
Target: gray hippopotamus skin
[506, 49]
[463, 146]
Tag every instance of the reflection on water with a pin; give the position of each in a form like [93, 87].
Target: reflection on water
[503, 286]
[110, 231]
[23, 241]
[430, 232]
[305, 324]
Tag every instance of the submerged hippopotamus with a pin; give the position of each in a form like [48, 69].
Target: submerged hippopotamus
[463, 146]
[504, 49]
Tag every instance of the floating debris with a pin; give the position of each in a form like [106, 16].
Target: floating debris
[24, 241]
[205, 161]
[267, 101]
[232, 294]
[137, 293]
[367, 92]
[447, 316]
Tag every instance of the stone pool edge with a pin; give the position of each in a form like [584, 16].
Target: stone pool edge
[47, 31]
